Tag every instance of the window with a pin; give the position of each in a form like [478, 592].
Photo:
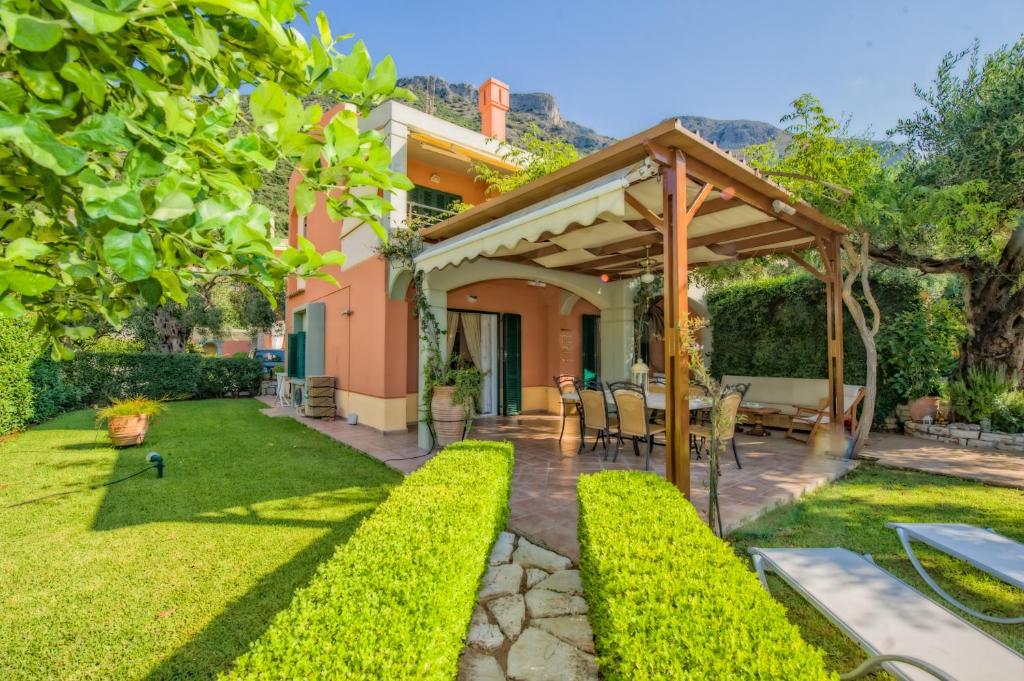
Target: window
[427, 206]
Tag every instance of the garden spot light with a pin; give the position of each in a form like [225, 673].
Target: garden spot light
[158, 463]
[783, 207]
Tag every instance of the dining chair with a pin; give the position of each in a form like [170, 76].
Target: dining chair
[728, 410]
[568, 397]
[594, 410]
[631, 405]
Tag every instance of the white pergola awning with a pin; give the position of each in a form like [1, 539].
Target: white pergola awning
[603, 199]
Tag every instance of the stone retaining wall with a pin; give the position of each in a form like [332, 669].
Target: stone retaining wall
[966, 435]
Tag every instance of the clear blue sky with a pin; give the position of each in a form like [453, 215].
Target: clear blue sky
[622, 66]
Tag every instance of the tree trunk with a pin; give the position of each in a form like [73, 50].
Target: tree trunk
[859, 266]
[993, 300]
[171, 335]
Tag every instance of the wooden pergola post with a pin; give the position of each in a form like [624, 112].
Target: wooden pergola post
[831, 259]
[675, 221]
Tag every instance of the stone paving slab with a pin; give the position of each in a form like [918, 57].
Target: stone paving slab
[550, 640]
[1003, 469]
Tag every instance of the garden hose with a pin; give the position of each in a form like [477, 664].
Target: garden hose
[158, 464]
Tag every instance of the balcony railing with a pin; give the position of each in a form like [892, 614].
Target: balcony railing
[419, 215]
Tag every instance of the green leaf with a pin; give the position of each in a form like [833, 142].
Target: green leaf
[28, 283]
[118, 201]
[11, 307]
[25, 248]
[173, 206]
[170, 285]
[324, 27]
[35, 139]
[40, 82]
[31, 33]
[267, 103]
[350, 72]
[105, 132]
[90, 83]
[384, 78]
[12, 96]
[93, 18]
[130, 254]
[305, 199]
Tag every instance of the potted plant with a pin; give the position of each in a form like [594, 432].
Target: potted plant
[453, 396]
[128, 419]
[450, 388]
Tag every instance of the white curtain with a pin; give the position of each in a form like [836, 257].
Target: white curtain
[489, 363]
[453, 326]
[471, 330]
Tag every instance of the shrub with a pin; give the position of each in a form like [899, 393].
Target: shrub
[776, 327]
[1009, 413]
[978, 396]
[103, 377]
[229, 375]
[18, 351]
[920, 349]
[395, 601]
[668, 599]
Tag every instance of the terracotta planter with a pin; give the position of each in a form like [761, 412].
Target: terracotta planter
[449, 418]
[922, 407]
[128, 431]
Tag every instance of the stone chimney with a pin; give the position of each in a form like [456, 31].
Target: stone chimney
[493, 105]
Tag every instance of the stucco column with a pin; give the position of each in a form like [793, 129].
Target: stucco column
[396, 138]
[438, 300]
[617, 332]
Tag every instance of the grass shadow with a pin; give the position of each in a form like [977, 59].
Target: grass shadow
[214, 649]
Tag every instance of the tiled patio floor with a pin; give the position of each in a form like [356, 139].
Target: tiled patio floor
[543, 501]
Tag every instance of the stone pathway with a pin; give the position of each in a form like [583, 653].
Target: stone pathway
[530, 622]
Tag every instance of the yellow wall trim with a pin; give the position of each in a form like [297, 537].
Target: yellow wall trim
[382, 413]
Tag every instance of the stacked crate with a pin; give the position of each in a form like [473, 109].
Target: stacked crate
[320, 397]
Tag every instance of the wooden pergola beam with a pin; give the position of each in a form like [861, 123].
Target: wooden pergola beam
[768, 239]
[717, 205]
[646, 214]
[737, 233]
[777, 250]
[627, 244]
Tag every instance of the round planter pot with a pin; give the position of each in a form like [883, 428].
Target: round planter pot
[924, 406]
[128, 431]
[449, 418]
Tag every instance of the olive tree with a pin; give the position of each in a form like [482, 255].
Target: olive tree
[127, 172]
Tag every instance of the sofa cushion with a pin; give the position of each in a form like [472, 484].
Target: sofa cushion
[786, 394]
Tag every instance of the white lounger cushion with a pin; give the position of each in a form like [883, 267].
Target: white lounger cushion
[888, 617]
[993, 553]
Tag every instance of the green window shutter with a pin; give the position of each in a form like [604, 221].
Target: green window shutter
[590, 346]
[300, 354]
[511, 364]
[292, 359]
[432, 199]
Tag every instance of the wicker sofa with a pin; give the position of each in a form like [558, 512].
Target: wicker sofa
[787, 394]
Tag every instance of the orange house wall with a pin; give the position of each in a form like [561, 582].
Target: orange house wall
[542, 324]
[452, 181]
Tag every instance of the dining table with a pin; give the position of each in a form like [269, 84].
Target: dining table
[655, 400]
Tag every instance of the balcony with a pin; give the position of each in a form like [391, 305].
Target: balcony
[419, 215]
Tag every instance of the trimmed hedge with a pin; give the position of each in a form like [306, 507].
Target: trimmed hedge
[776, 327]
[668, 599]
[18, 352]
[229, 375]
[395, 601]
[104, 376]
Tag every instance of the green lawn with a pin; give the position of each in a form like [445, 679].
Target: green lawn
[172, 578]
[852, 514]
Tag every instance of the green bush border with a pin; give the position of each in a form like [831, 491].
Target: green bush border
[668, 599]
[395, 601]
[776, 327]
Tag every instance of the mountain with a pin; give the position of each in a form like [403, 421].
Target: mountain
[457, 102]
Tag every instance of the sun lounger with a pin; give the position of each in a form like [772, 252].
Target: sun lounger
[985, 549]
[905, 632]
